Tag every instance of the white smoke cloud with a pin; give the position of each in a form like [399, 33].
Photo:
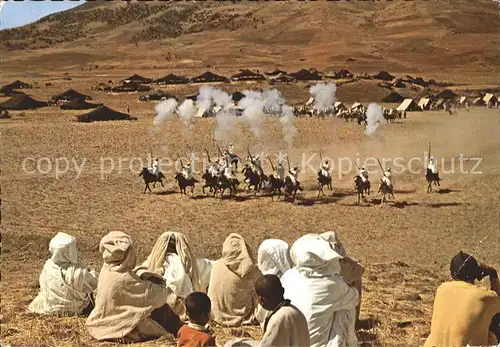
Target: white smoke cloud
[324, 95]
[208, 96]
[253, 115]
[287, 128]
[187, 111]
[164, 110]
[227, 124]
[374, 116]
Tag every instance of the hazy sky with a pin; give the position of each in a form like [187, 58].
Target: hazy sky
[14, 14]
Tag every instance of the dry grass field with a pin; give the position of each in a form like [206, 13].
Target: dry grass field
[406, 246]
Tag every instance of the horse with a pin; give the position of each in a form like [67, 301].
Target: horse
[151, 178]
[361, 187]
[386, 190]
[184, 182]
[223, 183]
[275, 186]
[291, 189]
[322, 181]
[253, 178]
[211, 181]
[431, 178]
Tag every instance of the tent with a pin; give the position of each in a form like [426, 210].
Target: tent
[282, 78]
[424, 103]
[356, 105]
[135, 78]
[70, 95]
[79, 104]
[478, 102]
[248, 75]
[103, 113]
[393, 98]
[200, 113]
[383, 75]
[343, 74]
[131, 87]
[306, 75]
[408, 105]
[490, 99]
[22, 102]
[157, 95]
[275, 73]
[420, 81]
[208, 77]
[310, 101]
[398, 83]
[171, 79]
[9, 91]
[339, 106]
[446, 94]
[18, 85]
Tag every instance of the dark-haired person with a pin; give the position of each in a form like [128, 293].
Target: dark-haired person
[465, 314]
[286, 326]
[195, 333]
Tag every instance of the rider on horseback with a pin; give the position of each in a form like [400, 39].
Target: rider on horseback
[155, 170]
[294, 175]
[280, 171]
[228, 173]
[432, 165]
[363, 173]
[186, 170]
[324, 169]
[387, 179]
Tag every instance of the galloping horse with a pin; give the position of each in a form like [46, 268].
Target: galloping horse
[386, 190]
[151, 178]
[322, 181]
[185, 182]
[361, 187]
[291, 189]
[275, 186]
[431, 178]
[253, 178]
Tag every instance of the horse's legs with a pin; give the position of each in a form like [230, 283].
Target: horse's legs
[154, 184]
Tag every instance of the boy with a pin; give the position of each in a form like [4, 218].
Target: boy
[194, 334]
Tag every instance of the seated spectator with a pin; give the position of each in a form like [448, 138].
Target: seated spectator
[195, 333]
[130, 302]
[465, 314]
[232, 283]
[173, 259]
[272, 258]
[66, 287]
[316, 288]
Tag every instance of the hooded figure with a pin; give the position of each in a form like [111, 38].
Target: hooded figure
[173, 259]
[130, 302]
[273, 258]
[316, 288]
[231, 288]
[65, 285]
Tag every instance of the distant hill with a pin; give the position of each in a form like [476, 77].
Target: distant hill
[419, 35]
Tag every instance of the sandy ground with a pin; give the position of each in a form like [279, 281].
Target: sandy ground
[406, 245]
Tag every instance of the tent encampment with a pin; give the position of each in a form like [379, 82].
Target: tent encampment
[408, 105]
[248, 75]
[208, 77]
[171, 79]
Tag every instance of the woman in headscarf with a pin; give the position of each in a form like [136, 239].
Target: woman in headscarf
[232, 282]
[172, 258]
[66, 287]
[350, 269]
[130, 302]
[273, 258]
[316, 288]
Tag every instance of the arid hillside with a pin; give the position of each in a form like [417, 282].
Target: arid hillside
[432, 38]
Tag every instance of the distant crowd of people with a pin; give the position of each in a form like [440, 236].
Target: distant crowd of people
[308, 294]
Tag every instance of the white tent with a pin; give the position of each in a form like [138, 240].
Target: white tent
[406, 104]
[310, 101]
[200, 113]
[356, 105]
[424, 103]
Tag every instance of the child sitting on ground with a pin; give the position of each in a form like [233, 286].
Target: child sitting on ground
[195, 334]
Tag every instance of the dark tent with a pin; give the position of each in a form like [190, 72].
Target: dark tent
[70, 95]
[208, 77]
[102, 113]
[158, 95]
[420, 81]
[131, 87]
[282, 79]
[306, 75]
[137, 79]
[79, 104]
[9, 91]
[408, 79]
[192, 97]
[276, 72]
[172, 79]
[248, 75]
[343, 74]
[237, 96]
[393, 98]
[398, 83]
[383, 75]
[446, 95]
[22, 102]
[19, 85]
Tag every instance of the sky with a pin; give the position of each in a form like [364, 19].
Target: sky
[14, 13]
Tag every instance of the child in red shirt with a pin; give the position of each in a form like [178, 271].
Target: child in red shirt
[194, 334]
